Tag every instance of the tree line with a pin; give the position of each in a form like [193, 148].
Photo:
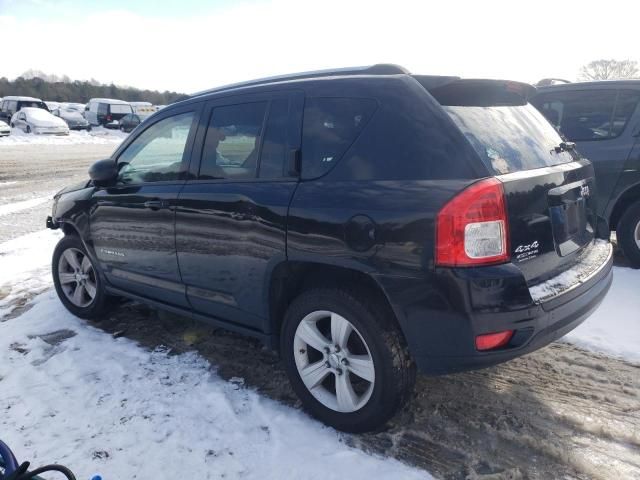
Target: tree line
[82, 91]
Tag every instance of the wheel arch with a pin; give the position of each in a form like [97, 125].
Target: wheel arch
[290, 278]
[628, 197]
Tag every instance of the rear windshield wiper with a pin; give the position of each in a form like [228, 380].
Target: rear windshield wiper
[565, 147]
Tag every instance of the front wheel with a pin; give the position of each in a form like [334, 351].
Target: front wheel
[347, 363]
[77, 280]
[628, 234]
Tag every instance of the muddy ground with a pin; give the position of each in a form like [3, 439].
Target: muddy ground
[559, 413]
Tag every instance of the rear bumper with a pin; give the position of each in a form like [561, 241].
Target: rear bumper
[441, 318]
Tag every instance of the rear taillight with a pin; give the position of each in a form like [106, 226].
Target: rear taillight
[472, 228]
[108, 118]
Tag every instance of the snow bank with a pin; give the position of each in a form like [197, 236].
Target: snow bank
[98, 135]
[73, 394]
[614, 328]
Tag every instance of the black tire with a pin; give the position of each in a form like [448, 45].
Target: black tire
[101, 303]
[395, 371]
[626, 232]
[28, 129]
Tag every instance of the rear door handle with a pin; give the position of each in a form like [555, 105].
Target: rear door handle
[156, 204]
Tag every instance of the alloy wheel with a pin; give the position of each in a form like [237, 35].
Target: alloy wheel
[636, 235]
[77, 277]
[333, 361]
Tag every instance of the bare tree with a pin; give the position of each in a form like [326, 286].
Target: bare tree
[610, 70]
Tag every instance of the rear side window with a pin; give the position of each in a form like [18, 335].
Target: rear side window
[329, 128]
[589, 114]
[232, 142]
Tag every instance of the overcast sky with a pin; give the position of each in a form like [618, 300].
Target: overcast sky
[190, 45]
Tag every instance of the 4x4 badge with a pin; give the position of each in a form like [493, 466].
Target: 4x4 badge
[584, 191]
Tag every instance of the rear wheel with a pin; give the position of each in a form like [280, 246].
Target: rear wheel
[346, 362]
[28, 130]
[77, 280]
[628, 233]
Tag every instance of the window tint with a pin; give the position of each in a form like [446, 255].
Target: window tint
[509, 139]
[274, 145]
[156, 154]
[102, 108]
[329, 127]
[232, 142]
[588, 115]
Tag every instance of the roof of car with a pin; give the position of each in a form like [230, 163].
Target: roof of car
[19, 98]
[108, 100]
[377, 69]
[598, 83]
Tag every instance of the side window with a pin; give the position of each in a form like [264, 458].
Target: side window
[329, 128]
[156, 154]
[103, 108]
[232, 141]
[581, 115]
[274, 145]
[625, 106]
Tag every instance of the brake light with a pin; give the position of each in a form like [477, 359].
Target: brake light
[108, 118]
[472, 228]
[491, 341]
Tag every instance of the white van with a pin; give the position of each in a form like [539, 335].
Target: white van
[106, 111]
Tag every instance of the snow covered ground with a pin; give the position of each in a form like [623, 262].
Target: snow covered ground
[97, 135]
[73, 394]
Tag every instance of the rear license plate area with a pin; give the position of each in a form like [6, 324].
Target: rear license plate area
[569, 212]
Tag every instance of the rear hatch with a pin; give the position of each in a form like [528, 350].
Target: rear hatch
[549, 189]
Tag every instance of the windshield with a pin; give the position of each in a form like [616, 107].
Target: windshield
[38, 114]
[509, 138]
[119, 108]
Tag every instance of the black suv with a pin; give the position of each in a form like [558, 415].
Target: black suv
[603, 119]
[362, 222]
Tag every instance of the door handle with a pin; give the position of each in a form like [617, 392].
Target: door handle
[156, 204]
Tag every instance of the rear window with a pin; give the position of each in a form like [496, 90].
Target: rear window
[509, 138]
[329, 128]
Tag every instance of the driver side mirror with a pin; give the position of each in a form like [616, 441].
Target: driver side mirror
[103, 172]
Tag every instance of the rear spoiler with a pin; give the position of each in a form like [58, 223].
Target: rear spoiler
[455, 91]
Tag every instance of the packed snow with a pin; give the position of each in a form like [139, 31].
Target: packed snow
[24, 205]
[74, 395]
[98, 135]
[588, 264]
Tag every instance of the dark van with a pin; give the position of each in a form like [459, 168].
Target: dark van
[13, 104]
[603, 120]
[362, 222]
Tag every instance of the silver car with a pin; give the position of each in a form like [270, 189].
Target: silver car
[4, 129]
[38, 120]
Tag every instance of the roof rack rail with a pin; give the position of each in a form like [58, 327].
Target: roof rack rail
[377, 69]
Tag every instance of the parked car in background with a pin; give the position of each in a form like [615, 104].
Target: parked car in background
[73, 118]
[106, 112]
[603, 119]
[13, 104]
[79, 107]
[51, 105]
[131, 121]
[5, 130]
[361, 221]
[39, 121]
